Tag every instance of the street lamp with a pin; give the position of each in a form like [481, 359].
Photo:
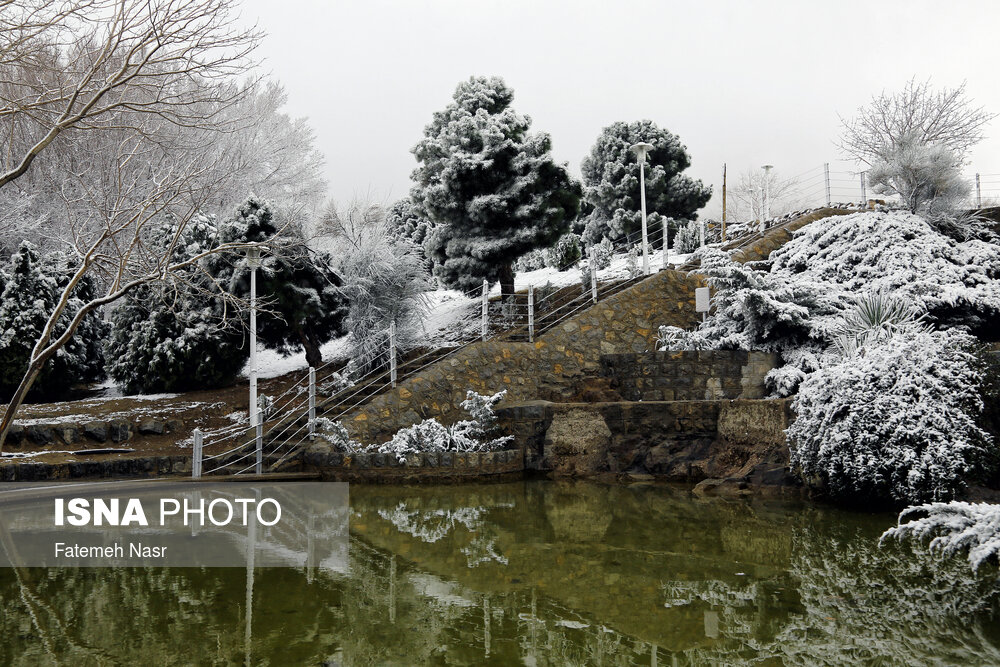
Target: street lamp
[253, 261]
[767, 196]
[641, 149]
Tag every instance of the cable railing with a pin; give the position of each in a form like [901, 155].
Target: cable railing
[291, 421]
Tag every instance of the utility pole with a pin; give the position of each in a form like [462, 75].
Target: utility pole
[723, 201]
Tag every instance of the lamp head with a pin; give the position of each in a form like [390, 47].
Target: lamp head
[253, 254]
[641, 149]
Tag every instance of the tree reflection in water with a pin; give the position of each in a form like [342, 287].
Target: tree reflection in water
[539, 573]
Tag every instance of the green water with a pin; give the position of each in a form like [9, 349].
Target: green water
[535, 573]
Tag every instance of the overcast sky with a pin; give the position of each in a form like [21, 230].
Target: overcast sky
[746, 83]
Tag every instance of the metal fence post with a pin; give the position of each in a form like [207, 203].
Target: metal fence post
[701, 234]
[312, 402]
[826, 174]
[531, 314]
[196, 455]
[864, 191]
[259, 468]
[979, 194]
[392, 353]
[486, 307]
[593, 276]
[666, 245]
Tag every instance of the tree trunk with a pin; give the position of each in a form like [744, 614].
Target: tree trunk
[311, 345]
[34, 368]
[507, 282]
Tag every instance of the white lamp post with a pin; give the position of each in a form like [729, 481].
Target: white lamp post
[641, 149]
[767, 196]
[253, 261]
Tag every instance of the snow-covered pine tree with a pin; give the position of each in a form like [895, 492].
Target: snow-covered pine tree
[405, 222]
[611, 181]
[490, 186]
[30, 288]
[306, 304]
[173, 337]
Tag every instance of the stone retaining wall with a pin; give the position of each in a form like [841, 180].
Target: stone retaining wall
[688, 375]
[550, 368]
[425, 467]
[683, 441]
[147, 466]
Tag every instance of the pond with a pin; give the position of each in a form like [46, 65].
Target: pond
[534, 573]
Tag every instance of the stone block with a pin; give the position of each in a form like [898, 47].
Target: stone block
[447, 459]
[151, 427]
[119, 430]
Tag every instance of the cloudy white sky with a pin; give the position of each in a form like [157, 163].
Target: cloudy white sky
[746, 83]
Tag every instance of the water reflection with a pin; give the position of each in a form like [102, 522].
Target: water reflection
[536, 573]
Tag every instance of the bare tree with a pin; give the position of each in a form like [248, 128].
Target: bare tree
[918, 113]
[149, 84]
[747, 195]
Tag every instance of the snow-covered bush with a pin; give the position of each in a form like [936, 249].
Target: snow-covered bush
[670, 339]
[602, 253]
[952, 528]
[895, 421]
[875, 318]
[688, 238]
[385, 278]
[478, 434]
[29, 289]
[531, 261]
[955, 283]
[926, 176]
[565, 253]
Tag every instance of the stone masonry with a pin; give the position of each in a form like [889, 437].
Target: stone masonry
[688, 375]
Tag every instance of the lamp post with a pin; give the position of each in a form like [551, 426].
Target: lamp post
[766, 215]
[253, 261]
[641, 149]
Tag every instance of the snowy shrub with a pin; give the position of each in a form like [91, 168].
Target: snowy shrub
[926, 176]
[602, 253]
[875, 318]
[531, 261]
[688, 238]
[755, 310]
[950, 528]
[565, 253]
[896, 421]
[632, 262]
[674, 338]
[171, 337]
[385, 278]
[29, 290]
[427, 436]
[336, 434]
[955, 283]
[478, 434]
[334, 383]
[784, 381]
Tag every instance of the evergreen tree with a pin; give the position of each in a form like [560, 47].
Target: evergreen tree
[405, 222]
[172, 337]
[611, 181]
[296, 285]
[176, 337]
[490, 187]
[30, 290]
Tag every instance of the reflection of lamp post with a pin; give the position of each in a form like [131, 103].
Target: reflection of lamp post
[641, 149]
[253, 261]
